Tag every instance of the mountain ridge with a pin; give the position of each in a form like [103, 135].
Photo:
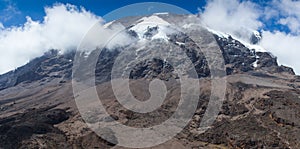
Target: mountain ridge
[260, 109]
[235, 53]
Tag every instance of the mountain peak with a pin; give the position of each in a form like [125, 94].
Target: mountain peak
[261, 98]
[152, 27]
[239, 56]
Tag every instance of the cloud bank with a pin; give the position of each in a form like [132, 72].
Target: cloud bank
[62, 28]
[240, 18]
[232, 16]
[286, 46]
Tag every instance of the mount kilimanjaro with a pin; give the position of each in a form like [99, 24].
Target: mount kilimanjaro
[260, 110]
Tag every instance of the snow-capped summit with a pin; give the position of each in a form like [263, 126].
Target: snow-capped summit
[239, 55]
[152, 27]
[38, 100]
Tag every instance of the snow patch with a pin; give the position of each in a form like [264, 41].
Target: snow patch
[145, 23]
[254, 64]
[180, 43]
[151, 21]
[160, 35]
[257, 34]
[220, 34]
[108, 24]
[257, 48]
[190, 25]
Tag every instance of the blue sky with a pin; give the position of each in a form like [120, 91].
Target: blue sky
[14, 12]
[23, 22]
[35, 9]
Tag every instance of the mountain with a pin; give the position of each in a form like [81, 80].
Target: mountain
[260, 109]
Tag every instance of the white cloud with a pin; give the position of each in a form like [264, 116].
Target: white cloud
[289, 7]
[289, 14]
[63, 28]
[285, 46]
[292, 23]
[239, 17]
[232, 16]
[110, 36]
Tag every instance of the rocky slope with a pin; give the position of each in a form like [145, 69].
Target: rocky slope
[261, 108]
